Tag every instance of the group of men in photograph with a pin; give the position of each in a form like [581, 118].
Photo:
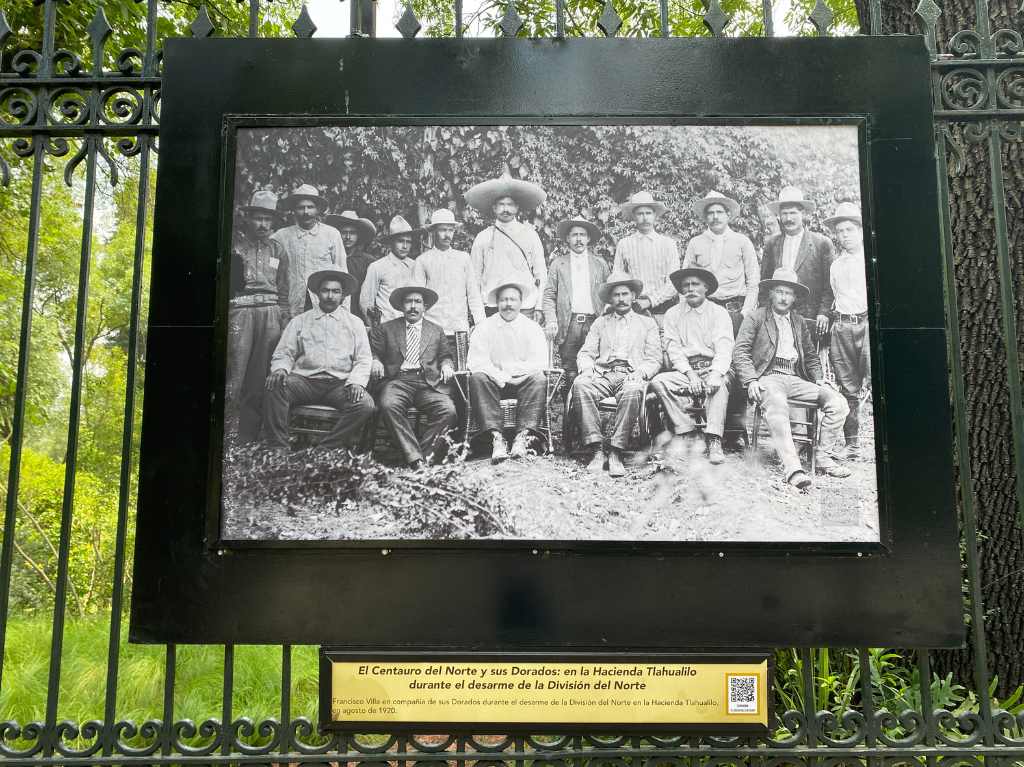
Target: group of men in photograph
[314, 320]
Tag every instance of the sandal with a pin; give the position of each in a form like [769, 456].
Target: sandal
[799, 480]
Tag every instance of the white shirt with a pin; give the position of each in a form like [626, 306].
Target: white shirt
[316, 343]
[849, 283]
[505, 350]
[582, 302]
[382, 276]
[787, 347]
[450, 274]
[309, 250]
[510, 252]
[705, 331]
[790, 247]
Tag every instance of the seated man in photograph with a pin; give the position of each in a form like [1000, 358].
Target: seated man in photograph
[416, 361]
[323, 358]
[622, 352]
[775, 359]
[507, 357]
[699, 343]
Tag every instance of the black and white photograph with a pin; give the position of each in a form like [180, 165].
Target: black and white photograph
[640, 333]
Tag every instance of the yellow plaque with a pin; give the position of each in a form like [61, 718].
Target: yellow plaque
[549, 693]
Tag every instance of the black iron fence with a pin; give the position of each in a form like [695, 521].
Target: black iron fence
[91, 115]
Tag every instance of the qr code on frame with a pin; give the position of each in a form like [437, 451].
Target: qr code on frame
[742, 694]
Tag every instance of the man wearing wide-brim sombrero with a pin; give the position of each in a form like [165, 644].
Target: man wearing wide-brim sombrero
[807, 253]
[323, 358]
[698, 341]
[508, 250]
[450, 272]
[775, 359]
[648, 255]
[310, 245]
[415, 362]
[849, 350]
[391, 271]
[622, 352]
[257, 313]
[572, 298]
[356, 235]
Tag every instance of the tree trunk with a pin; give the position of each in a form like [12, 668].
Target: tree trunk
[984, 361]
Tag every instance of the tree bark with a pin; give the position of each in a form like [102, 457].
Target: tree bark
[984, 359]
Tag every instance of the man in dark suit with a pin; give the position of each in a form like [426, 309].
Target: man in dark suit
[807, 253]
[416, 361]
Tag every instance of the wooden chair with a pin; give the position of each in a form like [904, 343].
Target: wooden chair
[647, 423]
[804, 422]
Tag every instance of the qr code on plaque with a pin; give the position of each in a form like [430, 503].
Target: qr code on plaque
[742, 694]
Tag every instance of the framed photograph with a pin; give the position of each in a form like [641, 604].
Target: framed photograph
[450, 343]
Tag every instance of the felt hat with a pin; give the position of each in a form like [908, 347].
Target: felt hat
[845, 211]
[399, 227]
[348, 283]
[263, 201]
[525, 291]
[562, 230]
[442, 216]
[783, 276]
[614, 280]
[728, 203]
[364, 226]
[641, 200]
[305, 192]
[398, 296]
[527, 195]
[707, 277]
[791, 195]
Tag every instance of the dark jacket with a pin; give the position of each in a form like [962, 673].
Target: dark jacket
[812, 265]
[558, 291]
[387, 342]
[756, 343]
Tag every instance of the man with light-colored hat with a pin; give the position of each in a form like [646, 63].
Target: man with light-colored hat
[356, 235]
[622, 352]
[807, 253]
[572, 296]
[310, 245]
[450, 273]
[507, 357]
[323, 358]
[849, 345]
[698, 340]
[648, 255]
[776, 360]
[509, 250]
[416, 362]
[394, 270]
[257, 311]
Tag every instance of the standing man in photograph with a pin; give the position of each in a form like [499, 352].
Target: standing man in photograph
[449, 273]
[508, 250]
[648, 256]
[807, 253]
[849, 347]
[323, 358]
[392, 271]
[507, 357]
[776, 361]
[356, 235]
[310, 244]
[699, 343]
[622, 352]
[257, 312]
[572, 298]
[416, 362]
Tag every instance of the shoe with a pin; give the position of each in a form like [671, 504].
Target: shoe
[520, 445]
[715, 454]
[596, 465]
[416, 465]
[499, 452]
[835, 470]
[662, 438]
[615, 467]
[799, 480]
[852, 452]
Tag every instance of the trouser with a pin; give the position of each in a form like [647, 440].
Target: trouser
[673, 390]
[588, 391]
[485, 399]
[300, 390]
[575, 335]
[850, 355]
[407, 390]
[253, 333]
[782, 387]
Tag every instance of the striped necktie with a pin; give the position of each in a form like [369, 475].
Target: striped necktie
[412, 345]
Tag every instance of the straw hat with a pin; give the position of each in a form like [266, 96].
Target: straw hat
[398, 296]
[728, 203]
[845, 211]
[527, 195]
[442, 216]
[707, 277]
[305, 192]
[365, 226]
[614, 280]
[641, 200]
[263, 201]
[525, 291]
[400, 227]
[349, 284]
[563, 227]
[791, 195]
[783, 276]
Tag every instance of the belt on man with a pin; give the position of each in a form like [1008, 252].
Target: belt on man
[699, 362]
[583, 318]
[410, 371]
[854, 318]
[254, 299]
[783, 367]
[729, 304]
